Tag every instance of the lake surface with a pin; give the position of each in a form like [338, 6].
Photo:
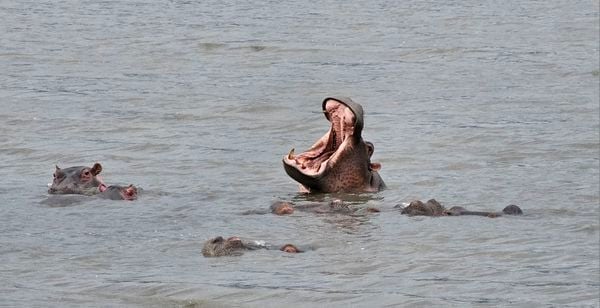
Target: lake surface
[477, 104]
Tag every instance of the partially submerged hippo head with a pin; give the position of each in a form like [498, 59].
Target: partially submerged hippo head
[290, 248]
[76, 180]
[512, 210]
[218, 247]
[282, 208]
[118, 192]
[234, 246]
[434, 208]
[418, 208]
[341, 159]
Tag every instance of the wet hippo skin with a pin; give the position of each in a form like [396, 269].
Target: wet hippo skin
[336, 206]
[434, 208]
[84, 180]
[341, 159]
[234, 246]
[76, 180]
[282, 208]
[118, 192]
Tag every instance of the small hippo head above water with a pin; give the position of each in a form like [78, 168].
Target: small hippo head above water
[341, 159]
[76, 180]
[118, 192]
[218, 247]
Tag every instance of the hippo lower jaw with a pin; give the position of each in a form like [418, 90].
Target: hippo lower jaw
[323, 178]
[313, 175]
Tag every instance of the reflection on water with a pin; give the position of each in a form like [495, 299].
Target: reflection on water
[474, 105]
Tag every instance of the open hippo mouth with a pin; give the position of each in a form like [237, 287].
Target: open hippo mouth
[343, 117]
[340, 160]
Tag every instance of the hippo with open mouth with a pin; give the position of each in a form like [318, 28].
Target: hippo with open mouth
[341, 160]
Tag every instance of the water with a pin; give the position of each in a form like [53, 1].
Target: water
[477, 104]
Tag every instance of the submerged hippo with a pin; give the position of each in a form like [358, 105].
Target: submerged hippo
[234, 246]
[333, 206]
[434, 208]
[86, 181]
[282, 208]
[341, 159]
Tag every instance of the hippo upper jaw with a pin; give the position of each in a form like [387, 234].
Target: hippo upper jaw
[340, 160]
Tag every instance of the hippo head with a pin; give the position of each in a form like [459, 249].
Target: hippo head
[341, 159]
[218, 247]
[118, 192]
[76, 180]
[431, 208]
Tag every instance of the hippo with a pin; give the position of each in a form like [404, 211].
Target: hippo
[234, 246]
[282, 208]
[277, 208]
[118, 192]
[86, 181]
[341, 160]
[434, 208]
[333, 206]
[76, 180]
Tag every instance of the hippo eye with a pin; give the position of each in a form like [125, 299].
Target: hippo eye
[54, 175]
[217, 240]
[86, 173]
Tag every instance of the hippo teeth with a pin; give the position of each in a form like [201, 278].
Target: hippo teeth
[291, 154]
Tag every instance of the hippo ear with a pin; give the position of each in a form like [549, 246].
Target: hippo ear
[96, 169]
[370, 148]
[57, 168]
[375, 166]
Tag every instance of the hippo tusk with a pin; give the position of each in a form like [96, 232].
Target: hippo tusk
[291, 154]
